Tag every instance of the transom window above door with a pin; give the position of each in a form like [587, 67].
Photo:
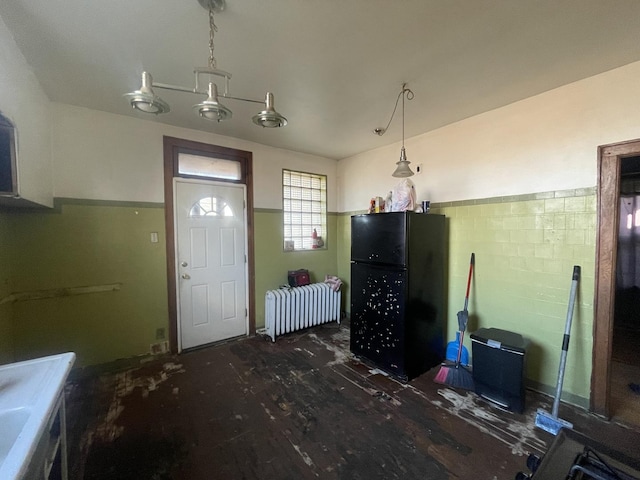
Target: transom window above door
[210, 167]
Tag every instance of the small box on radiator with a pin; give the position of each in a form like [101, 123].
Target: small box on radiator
[298, 278]
[291, 309]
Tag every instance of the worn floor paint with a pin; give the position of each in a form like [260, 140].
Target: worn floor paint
[300, 408]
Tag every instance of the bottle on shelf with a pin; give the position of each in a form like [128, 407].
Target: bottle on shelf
[388, 205]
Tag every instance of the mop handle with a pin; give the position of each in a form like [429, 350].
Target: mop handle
[565, 339]
[466, 304]
[471, 264]
[460, 348]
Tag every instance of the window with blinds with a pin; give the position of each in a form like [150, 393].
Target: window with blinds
[304, 198]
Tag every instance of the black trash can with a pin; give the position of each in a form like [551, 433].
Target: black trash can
[498, 367]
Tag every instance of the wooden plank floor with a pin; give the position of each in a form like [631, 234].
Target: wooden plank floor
[301, 408]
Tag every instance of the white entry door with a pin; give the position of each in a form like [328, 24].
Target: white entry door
[210, 225]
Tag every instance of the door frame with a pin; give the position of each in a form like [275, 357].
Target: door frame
[609, 165]
[171, 148]
[212, 183]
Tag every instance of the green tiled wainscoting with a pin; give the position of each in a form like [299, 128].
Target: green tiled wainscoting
[525, 248]
[102, 249]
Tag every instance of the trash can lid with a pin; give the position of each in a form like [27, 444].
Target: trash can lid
[497, 338]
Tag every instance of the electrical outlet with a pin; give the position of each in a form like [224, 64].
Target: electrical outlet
[419, 169]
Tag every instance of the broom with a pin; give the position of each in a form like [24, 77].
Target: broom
[456, 375]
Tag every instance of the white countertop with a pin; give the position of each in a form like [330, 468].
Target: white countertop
[29, 391]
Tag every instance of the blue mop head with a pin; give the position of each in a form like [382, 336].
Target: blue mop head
[549, 423]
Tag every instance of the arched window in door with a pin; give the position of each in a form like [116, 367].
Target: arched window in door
[211, 207]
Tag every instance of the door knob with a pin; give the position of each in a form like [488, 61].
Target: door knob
[186, 276]
[184, 264]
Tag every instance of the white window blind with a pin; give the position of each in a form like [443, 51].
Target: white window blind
[304, 198]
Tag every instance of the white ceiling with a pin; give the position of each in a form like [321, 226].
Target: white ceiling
[334, 66]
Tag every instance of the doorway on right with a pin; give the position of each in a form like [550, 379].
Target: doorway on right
[625, 354]
[615, 378]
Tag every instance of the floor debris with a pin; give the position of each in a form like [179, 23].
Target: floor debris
[301, 408]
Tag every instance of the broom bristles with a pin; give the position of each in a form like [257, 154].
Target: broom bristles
[441, 376]
[455, 376]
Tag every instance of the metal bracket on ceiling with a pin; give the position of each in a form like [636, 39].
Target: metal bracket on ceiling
[215, 5]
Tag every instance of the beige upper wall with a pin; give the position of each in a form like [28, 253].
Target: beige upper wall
[544, 143]
[104, 156]
[547, 142]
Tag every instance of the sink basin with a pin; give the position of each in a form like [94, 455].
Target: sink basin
[12, 422]
[29, 393]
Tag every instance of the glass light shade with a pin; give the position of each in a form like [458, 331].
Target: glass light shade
[145, 100]
[268, 117]
[403, 169]
[211, 108]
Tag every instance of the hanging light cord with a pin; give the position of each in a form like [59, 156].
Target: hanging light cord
[404, 92]
[403, 118]
[212, 30]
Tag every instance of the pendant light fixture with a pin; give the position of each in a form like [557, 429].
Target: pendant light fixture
[147, 101]
[402, 169]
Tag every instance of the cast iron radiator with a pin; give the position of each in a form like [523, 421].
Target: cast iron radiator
[291, 309]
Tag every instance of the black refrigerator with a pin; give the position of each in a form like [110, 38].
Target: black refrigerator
[397, 291]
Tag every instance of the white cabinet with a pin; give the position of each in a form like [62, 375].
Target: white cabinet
[8, 172]
[52, 443]
[24, 104]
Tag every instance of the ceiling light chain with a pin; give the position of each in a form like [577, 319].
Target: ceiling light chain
[409, 95]
[147, 101]
[212, 29]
